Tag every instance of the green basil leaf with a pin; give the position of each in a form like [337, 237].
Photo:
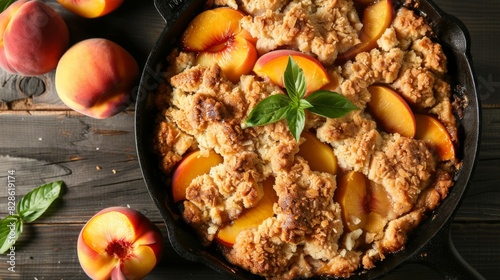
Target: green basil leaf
[36, 202]
[304, 104]
[11, 228]
[269, 110]
[296, 120]
[294, 80]
[4, 4]
[330, 104]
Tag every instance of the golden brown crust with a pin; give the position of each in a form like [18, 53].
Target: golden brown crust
[300, 25]
[201, 109]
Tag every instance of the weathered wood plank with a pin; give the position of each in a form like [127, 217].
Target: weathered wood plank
[95, 158]
[48, 251]
[482, 24]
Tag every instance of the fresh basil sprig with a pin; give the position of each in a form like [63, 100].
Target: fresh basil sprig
[29, 208]
[4, 4]
[292, 106]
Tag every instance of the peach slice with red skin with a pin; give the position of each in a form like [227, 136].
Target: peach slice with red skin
[218, 38]
[235, 59]
[190, 167]
[376, 19]
[365, 205]
[434, 132]
[319, 155]
[91, 8]
[273, 64]
[119, 243]
[391, 111]
[251, 217]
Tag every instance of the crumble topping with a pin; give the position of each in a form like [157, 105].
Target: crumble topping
[201, 109]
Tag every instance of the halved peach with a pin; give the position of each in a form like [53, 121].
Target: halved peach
[376, 19]
[216, 35]
[192, 166]
[434, 132]
[119, 243]
[273, 64]
[251, 217]
[391, 111]
[319, 155]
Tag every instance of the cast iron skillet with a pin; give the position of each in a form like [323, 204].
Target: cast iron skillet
[430, 244]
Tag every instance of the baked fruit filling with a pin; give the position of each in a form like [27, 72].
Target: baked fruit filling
[301, 195]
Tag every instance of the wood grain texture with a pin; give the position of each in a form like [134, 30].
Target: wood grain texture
[44, 141]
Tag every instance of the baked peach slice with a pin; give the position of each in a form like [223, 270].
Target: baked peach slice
[365, 205]
[352, 196]
[216, 35]
[376, 19]
[391, 111]
[434, 132]
[251, 217]
[273, 64]
[190, 167]
[319, 155]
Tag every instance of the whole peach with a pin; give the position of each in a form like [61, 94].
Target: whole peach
[33, 37]
[119, 243]
[96, 77]
[91, 8]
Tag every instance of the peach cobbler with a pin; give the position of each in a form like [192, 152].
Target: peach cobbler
[296, 185]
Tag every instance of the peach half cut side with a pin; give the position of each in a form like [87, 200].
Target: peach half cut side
[434, 132]
[391, 111]
[190, 167]
[119, 242]
[251, 217]
[272, 65]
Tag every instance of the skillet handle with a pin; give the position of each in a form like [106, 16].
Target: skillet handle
[170, 9]
[441, 255]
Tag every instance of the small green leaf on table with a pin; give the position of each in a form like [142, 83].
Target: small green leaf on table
[29, 208]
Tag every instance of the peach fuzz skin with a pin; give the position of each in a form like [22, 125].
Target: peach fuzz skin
[95, 77]
[33, 37]
[119, 243]
[91, 8]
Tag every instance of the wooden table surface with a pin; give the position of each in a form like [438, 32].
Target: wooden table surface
[43, 141]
